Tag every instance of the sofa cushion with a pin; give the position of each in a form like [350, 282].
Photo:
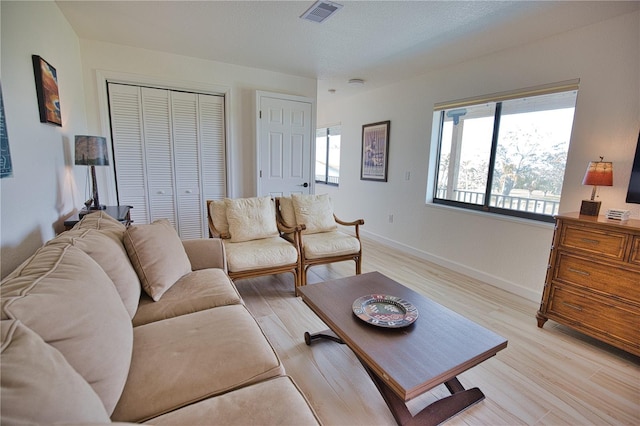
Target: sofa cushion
[38, 384]
[65, 297]
[276, 401]
[157, 255]
[185, 359]
[251, 218]
[196, 291]
[325, 244]
[263, 253]
[218, 214]
[107, 249]
[315, 212]
[99, 219]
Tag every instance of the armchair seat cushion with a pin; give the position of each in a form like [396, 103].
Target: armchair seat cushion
[256, 254]
[327, 244]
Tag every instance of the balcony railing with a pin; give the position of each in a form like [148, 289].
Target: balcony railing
[524, 204]
[331, 180]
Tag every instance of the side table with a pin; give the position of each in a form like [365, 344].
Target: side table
[120, 213]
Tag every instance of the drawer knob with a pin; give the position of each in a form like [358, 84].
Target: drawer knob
[572, 306]
[578, 271]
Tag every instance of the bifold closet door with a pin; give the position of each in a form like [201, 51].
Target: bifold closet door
[169, 154]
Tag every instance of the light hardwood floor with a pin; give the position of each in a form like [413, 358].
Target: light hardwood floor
[548, 376]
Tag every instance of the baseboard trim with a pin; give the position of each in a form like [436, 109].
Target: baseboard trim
[457, 267]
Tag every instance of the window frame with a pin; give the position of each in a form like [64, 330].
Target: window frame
[327, 145]
[498, 99]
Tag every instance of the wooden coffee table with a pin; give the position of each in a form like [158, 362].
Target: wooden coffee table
[405, 362]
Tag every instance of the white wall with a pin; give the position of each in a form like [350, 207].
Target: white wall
[46, 186]
[509, 253]
[239, 82]
[42, 191]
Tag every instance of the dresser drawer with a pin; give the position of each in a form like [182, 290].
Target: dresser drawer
[605, 278]
[608, 318]
[592, 240]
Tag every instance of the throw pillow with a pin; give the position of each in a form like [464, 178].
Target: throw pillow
[251, 218]
[38, 384]
[315, 212]
[157, 255]
[218, 214]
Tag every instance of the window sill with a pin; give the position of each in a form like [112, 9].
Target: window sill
[493, 216]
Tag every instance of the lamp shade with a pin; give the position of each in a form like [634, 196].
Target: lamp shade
[599, 173]
[91, 151]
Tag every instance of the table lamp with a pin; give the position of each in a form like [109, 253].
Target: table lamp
[92, 151]
[599, 173]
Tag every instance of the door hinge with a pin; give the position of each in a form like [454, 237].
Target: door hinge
[260, 173]
[260, 114]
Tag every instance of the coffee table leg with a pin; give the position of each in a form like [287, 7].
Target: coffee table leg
[326, 334]
[433, 414]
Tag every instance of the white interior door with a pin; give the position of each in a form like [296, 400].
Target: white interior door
[285, 126]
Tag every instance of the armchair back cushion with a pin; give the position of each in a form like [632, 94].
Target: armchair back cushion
[218, 215]
[315, 212]
[38, 384]
[251, 218]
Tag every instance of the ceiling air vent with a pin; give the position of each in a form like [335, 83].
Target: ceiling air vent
[320, 11]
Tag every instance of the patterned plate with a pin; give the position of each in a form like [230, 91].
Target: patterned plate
[383, 310]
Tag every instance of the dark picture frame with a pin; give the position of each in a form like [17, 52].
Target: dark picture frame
[47, 90]
[374, 163]
[6, 167]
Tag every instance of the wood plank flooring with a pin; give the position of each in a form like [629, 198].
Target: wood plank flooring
[548, 376]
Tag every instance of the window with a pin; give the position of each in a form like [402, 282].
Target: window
[328, 155]
[506, 155]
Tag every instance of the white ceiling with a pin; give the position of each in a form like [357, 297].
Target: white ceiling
[378, 41]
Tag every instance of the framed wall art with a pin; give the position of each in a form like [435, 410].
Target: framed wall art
[375, 151]
[6, 168]
[47, 91]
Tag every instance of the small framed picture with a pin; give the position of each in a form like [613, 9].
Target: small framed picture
[47, 91]
[375, 151]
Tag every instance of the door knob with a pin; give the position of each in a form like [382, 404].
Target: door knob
[304, 184]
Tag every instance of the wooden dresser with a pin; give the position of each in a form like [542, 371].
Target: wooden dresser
[593, 279]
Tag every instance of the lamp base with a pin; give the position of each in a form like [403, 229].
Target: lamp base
[590, 208]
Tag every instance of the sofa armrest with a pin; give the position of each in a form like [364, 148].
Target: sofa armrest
[206, 253]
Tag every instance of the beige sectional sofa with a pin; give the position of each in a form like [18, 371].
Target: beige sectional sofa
[106, 324]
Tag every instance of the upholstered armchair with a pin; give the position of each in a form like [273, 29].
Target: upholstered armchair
[320, 240]
[252, 240]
